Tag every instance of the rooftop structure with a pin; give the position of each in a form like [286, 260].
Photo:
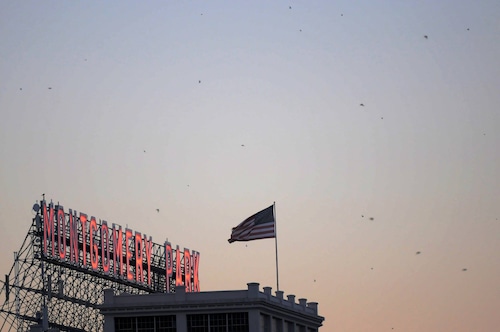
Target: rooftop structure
[248, 310]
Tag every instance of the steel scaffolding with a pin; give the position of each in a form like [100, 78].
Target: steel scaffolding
[67, 294]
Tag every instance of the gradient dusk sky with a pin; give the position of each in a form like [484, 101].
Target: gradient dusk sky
[212, 110]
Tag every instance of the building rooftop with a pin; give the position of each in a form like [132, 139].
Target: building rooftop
[234, 300]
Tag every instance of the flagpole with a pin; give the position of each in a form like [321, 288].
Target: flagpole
[276, 247]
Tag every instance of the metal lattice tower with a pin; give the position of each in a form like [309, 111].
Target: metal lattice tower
[70, 293]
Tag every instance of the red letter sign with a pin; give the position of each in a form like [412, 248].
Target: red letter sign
[168, 265]
[94, 252]
[148, 245]
[74, 255]
[178, 272]
[138, 257]
[105, 246]
[128, 253]
[196, 262]
[187, 270]
[48, 226]
[83, 220]
[61, 232]
[117, 250]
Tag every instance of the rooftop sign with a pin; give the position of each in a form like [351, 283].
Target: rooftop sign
[122, 254]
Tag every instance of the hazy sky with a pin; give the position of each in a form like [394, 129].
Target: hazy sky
[119, 108]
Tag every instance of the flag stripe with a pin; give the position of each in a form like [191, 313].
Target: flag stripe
[255, 231]
[257, 226]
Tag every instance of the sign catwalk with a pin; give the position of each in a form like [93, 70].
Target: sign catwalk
[261, 225]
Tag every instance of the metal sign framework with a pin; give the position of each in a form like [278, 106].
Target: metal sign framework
[67, 294]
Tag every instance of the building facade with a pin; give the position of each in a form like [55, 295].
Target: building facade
[249, 310]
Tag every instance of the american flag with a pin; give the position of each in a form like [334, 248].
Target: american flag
[255, 227]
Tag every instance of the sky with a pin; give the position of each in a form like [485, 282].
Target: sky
[337, 111]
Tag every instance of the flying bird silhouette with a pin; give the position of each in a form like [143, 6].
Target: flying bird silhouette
[418, 253]
[158, 210]
[362, 105]
[426, 37]
[371, 218]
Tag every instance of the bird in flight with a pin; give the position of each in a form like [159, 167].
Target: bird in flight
[418, 253]
[362, 105]
[158, 210]
[464, 270]
[426, 37]
[371, 218]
